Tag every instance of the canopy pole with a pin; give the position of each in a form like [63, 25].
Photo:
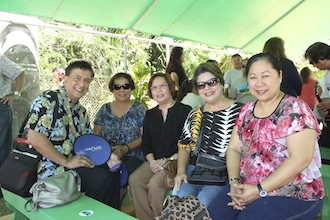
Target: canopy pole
[167, 53]
[145, 14]
[125, 54]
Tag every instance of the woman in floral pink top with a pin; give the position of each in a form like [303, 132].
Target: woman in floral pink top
[273, 158]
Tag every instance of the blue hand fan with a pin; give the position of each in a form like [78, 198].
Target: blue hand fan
[97, 149]
[123, 175]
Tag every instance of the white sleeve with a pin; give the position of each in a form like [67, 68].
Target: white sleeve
[316, 113]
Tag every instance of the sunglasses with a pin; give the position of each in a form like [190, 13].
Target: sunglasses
[124, 86]
[211, 83]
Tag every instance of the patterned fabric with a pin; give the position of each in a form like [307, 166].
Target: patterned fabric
[48, 115]
[122, 130]
[264, 147]
[217, 128]
[188, 207]
[9, 71]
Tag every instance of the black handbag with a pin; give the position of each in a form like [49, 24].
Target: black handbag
[209, 169]
[19, 171]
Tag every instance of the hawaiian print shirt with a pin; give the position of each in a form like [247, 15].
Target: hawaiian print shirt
[48, 115]
[123, 130]
[264, 147]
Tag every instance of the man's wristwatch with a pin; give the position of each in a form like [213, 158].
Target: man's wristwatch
[17, 94]
[262, 192]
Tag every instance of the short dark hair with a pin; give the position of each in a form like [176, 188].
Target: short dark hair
[274, 62]
[79, 65]
[236, 55]
[318, 51]
[208, 67]
[121, 75]
[185, 88]
[212, 61]
[305, 74]
[167, 79]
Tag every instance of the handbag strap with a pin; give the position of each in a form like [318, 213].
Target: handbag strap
[199, 137]
[21, 130]
[34, 206]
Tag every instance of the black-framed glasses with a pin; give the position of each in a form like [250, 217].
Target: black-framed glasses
[313, 62]
[124, 86]
[211, 83]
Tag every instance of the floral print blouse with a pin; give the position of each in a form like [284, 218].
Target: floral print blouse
[48, 115]
[264, 147]
[122, 130]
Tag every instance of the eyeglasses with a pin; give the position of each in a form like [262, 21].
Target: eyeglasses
[313, 62]
[211, 83]
[124, 86]
[161, 86]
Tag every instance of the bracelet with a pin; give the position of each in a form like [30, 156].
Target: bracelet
[129, 149]
[234, 179]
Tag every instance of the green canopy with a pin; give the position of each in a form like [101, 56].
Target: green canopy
[241, 24]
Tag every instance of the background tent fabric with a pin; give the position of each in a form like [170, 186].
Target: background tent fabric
[239, 24]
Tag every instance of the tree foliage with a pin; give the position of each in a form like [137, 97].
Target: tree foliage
[106, 54]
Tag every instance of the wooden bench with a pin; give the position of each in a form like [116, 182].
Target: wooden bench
[79, 209]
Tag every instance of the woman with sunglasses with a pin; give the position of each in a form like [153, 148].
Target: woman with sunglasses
[216, 120]
[120, 123]
[161, 130]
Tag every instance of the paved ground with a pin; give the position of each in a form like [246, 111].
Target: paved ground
[3, 209]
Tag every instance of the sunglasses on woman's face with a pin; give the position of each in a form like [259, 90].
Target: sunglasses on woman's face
[211, 83]
[124, 86]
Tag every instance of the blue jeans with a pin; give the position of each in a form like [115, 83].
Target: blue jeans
[6, 139]
[205, 193]
[270, 208]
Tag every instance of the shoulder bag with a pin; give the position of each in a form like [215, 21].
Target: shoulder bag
[170, 168]
[209, 169]
[19, 171]
[55, 190]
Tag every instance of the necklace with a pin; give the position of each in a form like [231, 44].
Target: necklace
[72, 128]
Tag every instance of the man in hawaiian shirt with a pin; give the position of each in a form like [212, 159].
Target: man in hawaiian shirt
[56, 119]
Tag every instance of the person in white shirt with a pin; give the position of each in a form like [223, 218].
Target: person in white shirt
[9, 72]
[233, 73]
[318, 55]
